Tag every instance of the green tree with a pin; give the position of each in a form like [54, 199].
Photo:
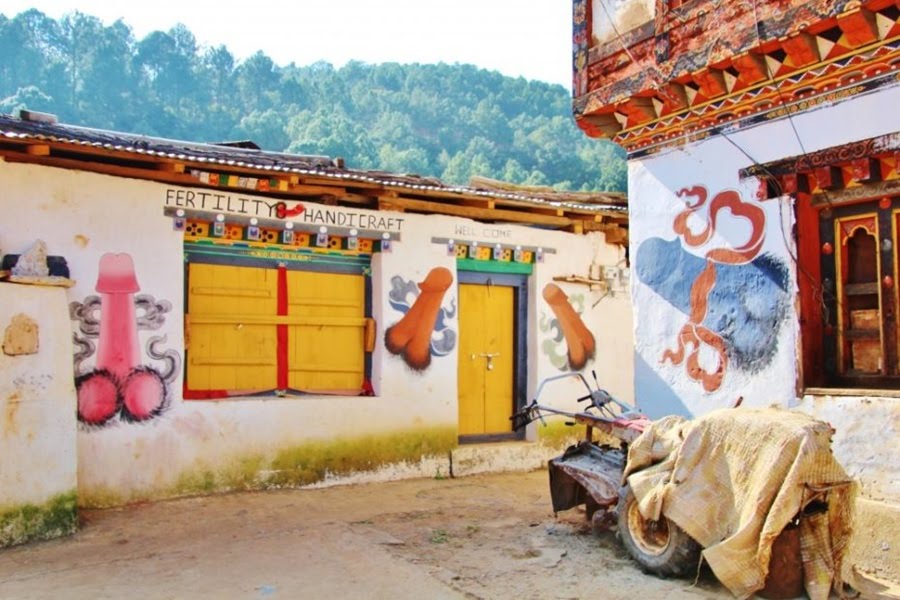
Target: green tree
[449, 121]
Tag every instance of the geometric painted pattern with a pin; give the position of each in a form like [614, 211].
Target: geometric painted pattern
[641, 107]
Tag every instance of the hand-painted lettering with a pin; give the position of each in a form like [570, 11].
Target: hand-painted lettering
[277, 209]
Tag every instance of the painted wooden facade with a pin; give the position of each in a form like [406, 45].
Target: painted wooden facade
[762, 140]
[242, 319]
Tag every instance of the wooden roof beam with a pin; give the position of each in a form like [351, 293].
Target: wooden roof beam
[752, 68]
[860, 27]
[803, 49]
[303, 189]
[488, 203]
[606, 123]
[711, 82]
[390, 205]
[359, 199]
[38, 149]
[481, 214]
[170, 167]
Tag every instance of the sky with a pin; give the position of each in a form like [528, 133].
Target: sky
[528, 38]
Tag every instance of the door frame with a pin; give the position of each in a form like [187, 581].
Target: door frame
[519, 283]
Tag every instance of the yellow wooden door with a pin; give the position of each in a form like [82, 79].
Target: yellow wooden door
[486, 359]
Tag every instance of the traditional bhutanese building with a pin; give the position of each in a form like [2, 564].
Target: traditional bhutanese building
[764, 200]
[206, 317]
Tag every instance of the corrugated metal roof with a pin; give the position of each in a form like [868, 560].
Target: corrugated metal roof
[14, 128]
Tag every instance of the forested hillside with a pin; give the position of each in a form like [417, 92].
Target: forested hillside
[449, 121]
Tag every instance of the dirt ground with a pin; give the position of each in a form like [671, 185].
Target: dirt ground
[485, 536]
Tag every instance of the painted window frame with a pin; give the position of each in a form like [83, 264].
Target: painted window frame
[519, 283]
[839, 333]
[310, 262]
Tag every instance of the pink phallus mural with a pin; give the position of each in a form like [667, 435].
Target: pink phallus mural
[120, 384]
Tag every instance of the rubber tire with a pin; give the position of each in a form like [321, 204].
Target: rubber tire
[680, 556]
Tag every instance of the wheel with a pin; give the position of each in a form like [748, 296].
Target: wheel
[659, 547]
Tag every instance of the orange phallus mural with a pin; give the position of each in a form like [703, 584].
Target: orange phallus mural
[410, 337]
[579, 340]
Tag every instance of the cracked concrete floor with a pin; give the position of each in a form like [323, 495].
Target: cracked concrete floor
[485, 536]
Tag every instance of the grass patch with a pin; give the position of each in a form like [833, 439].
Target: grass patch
[556, 434]
[293, 466]
[56, 517]
[439, 536]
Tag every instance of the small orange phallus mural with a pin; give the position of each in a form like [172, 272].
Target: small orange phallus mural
[579, 339]
[410, 337]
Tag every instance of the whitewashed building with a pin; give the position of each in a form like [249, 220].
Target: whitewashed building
[241, 319]
[764, 202]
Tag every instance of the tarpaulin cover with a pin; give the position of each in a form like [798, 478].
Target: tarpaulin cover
[734, 478]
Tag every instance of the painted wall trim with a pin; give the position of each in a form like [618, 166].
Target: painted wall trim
[492, 266]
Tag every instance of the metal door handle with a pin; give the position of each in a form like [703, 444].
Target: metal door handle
[490, 359]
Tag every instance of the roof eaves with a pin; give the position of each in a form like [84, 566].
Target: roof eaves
[332, 173]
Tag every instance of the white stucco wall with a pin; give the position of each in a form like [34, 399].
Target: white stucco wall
[866, 432]
[37, 402]
[762, 363]
[82, 216]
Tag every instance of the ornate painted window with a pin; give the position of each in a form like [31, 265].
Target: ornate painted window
[264, 319]
[847, 262]
[859, 266]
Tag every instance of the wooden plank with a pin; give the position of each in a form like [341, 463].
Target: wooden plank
[253, 320]
[618, 235]
[170, 167]
[370, 335]
[332, 181]
[390, 205]
[595, 226]
[539, 210]
[230, 292]
[132, 159]
[489, 203]
[147, 173]
[601, 212]
[482, 213]
[144, 166]
[140, 166]
[331, 302]
[106, 169]
[360, 199]
[861, 289]
[48, 281]
[235, 361]
[869, 191]
[38, 150]
[305, 189]
[320, 368]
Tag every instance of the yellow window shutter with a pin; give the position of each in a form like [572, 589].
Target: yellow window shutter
[232, 327]
[326, 334]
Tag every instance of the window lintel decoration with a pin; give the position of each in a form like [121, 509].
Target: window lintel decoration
[244, 221]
